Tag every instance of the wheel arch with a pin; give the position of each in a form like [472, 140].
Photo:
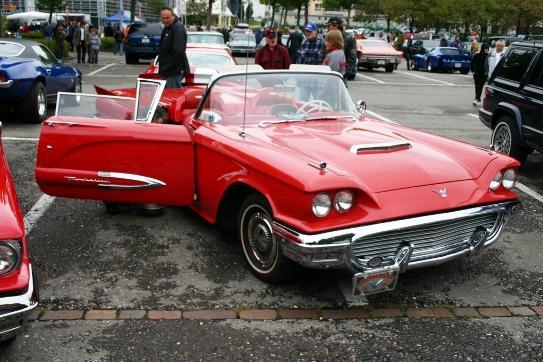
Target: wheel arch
[231, 201]
[41, 79]
[506, 109]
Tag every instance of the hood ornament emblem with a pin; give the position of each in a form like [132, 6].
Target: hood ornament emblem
[441, 192]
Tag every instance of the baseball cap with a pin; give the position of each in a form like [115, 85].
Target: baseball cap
[334, 20]
[311, 27]
[270, 33]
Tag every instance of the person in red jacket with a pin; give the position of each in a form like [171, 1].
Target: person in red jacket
[272, 55]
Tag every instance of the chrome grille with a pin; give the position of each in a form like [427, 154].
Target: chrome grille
[430, 240]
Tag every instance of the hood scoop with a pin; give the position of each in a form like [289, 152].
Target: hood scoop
[380, 147]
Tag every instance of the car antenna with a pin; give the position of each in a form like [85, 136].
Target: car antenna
[242, 134]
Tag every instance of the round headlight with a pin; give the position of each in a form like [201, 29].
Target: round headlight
[496, 181]
[9, 258]
[343, 201]
[509, 179]
[321, 205]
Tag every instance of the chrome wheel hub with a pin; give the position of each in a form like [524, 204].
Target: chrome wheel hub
[42, 104]
[261, 240]
[502, 140]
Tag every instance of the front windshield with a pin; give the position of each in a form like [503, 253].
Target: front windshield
[95, 106]
[205, 38]
[277, 97]
[243, 37]
[209, 60]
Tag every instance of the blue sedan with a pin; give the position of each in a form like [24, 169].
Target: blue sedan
[31, 77]
[443, 59]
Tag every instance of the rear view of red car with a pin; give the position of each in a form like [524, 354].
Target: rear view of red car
[18, 285]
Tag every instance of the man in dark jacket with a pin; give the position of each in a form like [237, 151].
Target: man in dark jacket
[479, 72]
[172, 60]
[349, 48]
[294, 42]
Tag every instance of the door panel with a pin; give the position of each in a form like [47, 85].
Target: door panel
[116, 160]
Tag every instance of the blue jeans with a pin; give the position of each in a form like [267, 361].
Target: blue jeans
[118, 48]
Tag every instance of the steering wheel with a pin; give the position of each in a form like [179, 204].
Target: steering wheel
[313, 105]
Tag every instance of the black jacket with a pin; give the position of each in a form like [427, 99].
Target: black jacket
[294, 42]
[172, 59]
[478, 63]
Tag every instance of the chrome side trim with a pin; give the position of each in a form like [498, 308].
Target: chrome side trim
[6, 84]
[147, 182]
[385, 146]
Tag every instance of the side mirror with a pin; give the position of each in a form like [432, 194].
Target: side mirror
[361, 107]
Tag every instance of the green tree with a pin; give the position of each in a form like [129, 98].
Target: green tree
[51, 6]
[155, 5]
[249, 12]
[343, 4]
[196, 12]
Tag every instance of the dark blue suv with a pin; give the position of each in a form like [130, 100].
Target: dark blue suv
[513, 103]
[142, 41]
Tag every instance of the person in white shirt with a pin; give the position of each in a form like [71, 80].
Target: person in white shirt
[494, 57]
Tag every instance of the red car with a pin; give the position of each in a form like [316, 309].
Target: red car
[18, 285]
[373, 53]
[285, 158]
[203, 61]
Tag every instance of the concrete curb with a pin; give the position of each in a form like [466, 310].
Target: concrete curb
[289, 314]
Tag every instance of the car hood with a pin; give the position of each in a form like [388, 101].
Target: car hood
[377, 155]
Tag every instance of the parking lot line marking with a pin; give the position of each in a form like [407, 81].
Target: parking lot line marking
[20, 139]
[103, 68]
[370, 78]
[529, 191]
[377, 115]
[412, 84]
[472, 115]
[465, 75]
[423, 77]
[37, 211]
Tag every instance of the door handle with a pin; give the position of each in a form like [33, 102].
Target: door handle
[53, 123]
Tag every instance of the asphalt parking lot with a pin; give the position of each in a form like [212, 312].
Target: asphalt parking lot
[90, 260]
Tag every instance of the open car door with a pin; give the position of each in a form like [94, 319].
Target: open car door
[107, 148]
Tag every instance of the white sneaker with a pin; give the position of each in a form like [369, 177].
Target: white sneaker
[475, 102]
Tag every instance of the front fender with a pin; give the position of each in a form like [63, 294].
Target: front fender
[514, 112]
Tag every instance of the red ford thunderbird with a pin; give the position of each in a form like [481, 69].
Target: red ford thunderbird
[18, 291]
[288, 160]
[377, 54]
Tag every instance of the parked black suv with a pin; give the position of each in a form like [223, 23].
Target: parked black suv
[513, 103]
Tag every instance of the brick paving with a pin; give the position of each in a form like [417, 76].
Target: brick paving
[270, 314]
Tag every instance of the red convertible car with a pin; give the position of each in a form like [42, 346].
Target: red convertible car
[18, 285]
[288, 160]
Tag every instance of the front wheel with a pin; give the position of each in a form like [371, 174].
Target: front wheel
[33, 109]
[261, 249]
[506, 139]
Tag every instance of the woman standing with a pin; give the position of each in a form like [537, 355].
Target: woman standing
[479, 72]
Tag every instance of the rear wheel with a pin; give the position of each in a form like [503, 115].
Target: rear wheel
[33, 109]
[506, 139]
[389, 68]
[261, 249]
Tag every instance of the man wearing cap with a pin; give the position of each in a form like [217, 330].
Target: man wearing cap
[349, 47]
[310, 51]
[272, 55]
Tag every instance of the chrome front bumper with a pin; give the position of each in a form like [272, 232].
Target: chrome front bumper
[14, 310]
[337, 249]
[6, 84]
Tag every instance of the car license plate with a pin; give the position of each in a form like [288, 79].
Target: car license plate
[458, 65]
[373, 282]
[380, 62]
[145, 40]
